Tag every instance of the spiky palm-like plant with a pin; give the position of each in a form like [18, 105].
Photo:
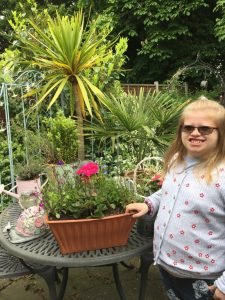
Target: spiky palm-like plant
[64, 51]
[140, 120]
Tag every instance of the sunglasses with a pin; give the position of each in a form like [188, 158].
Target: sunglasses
[204, 130]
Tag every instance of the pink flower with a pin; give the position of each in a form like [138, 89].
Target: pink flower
[41, 205]
[39, 222]
[88, 169]
[156, 177]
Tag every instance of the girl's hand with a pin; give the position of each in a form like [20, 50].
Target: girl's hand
[140, 209]
[217, 294]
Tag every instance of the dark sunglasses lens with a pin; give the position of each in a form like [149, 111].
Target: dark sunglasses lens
[188, 129]
[205, 130]
[202, 129]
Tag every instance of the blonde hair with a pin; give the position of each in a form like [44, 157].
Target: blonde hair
[177, 152]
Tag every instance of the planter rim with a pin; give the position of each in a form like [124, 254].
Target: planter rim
[35, 178]
[86, 220]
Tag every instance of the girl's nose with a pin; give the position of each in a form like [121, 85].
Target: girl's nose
[196, 132]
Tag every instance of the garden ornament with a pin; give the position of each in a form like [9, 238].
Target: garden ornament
[25, 198]
[30, 225]
[31, 185]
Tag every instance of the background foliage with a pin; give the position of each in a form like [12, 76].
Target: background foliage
[163, 33]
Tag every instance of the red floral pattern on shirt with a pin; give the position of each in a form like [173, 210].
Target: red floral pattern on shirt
[186, 205]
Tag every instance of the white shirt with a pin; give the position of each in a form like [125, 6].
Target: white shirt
[189, 230]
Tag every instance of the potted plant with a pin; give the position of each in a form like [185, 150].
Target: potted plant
[89, 207]
[147, 180]
[62, 137]
[28, 176]
[59, 145]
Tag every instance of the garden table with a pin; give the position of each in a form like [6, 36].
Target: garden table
[42, 256]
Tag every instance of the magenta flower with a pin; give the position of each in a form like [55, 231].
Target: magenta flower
[41, 205]
[88, 169]
[156, 177]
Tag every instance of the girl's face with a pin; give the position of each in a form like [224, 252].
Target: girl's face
[196, 143]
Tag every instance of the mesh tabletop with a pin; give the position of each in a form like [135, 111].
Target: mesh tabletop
[45, 251]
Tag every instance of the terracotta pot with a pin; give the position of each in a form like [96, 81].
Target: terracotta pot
[91, 234]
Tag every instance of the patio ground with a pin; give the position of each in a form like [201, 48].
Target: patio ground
[85, 284]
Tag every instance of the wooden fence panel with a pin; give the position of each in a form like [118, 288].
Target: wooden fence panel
[135, 87]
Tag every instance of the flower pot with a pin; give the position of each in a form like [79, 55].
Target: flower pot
[91, 234]
[32, 185]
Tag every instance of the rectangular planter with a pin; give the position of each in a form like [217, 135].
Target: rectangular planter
[91, 234]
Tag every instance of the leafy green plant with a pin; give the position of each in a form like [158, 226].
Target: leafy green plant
[149, 182]
[61, 139]
[29, 170]
[145, 121]
[86, 194]
[18, 155]
[64, 51]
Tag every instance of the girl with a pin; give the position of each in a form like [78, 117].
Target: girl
[189, 231]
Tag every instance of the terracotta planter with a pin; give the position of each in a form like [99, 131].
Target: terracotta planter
[91, 234]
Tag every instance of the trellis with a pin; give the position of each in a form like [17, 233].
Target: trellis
[5, 88]
[199, 64]
[32, 78]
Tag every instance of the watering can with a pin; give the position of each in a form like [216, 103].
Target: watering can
[33, 185]
[27, 191]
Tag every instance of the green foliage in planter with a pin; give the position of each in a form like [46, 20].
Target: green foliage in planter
[86, 197]
[29, 170]
[62, 139]
[149, 180]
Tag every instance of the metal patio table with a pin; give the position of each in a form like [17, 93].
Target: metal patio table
[42, 256]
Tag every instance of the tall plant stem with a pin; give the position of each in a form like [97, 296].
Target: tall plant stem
[80, 131]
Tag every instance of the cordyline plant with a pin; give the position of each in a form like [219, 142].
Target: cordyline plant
[65, 51]
[86, 193]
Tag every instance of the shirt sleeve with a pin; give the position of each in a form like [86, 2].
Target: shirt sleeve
[153, 202]
[220, 283]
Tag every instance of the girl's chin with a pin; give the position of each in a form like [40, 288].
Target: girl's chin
[197, 154]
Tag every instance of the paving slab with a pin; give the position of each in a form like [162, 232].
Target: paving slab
[86, 284]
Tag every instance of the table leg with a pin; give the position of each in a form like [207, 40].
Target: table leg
[51, 276]
[117, 282]
[130, 266]
[146, 261]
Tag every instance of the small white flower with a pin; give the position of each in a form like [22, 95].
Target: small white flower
[200, 288]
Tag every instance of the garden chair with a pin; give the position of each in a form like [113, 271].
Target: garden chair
[11, 266]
